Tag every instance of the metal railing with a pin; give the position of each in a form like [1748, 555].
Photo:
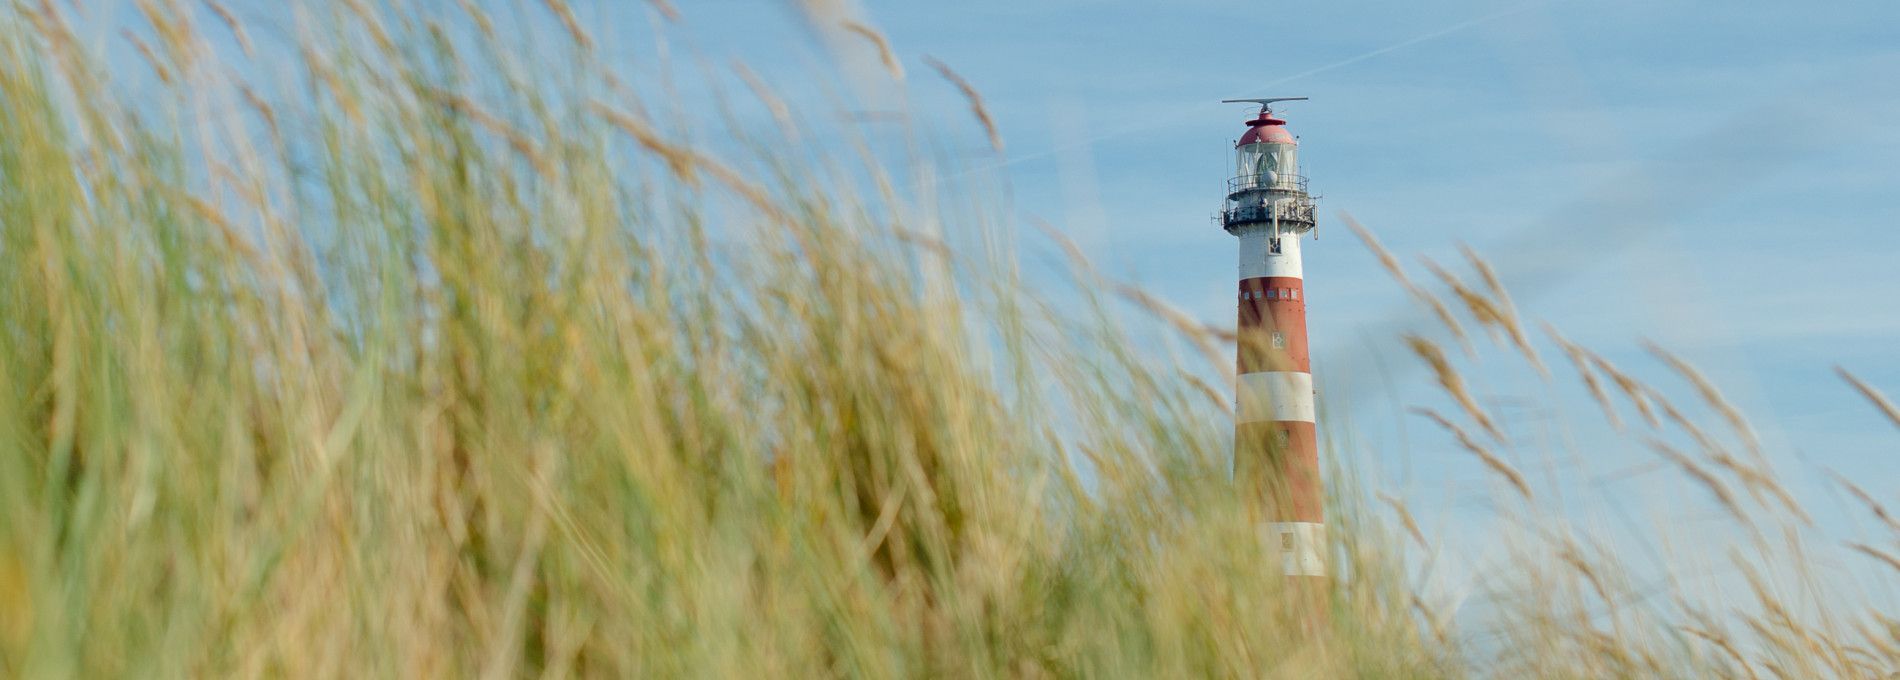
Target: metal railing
[1280, 182]
[1289, 212]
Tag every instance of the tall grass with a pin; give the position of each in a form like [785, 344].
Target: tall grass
[422, 366]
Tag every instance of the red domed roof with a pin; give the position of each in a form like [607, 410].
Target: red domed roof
[1266, 129]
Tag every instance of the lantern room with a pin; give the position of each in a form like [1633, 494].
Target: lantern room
[1267, 157]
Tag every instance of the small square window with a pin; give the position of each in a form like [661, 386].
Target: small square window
[1273, 294]
[1295, 293]
[1279, 341]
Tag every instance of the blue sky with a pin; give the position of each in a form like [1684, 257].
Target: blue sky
[1719, 177]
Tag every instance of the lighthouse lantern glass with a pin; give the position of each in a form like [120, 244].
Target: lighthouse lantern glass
[1268, 164]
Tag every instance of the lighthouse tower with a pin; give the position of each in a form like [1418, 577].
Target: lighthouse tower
[1276, 450]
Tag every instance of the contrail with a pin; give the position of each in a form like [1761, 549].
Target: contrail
[1434, 35]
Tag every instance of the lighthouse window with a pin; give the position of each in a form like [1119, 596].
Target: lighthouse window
[1273, 294]
[1279, 341]
[1294, 293]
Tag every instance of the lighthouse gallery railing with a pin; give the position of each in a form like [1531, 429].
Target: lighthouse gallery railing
[1287, 211]
[1281, 182]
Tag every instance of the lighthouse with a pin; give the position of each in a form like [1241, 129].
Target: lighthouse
[1276, 452]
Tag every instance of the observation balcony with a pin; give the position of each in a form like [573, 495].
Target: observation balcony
[1297, 214]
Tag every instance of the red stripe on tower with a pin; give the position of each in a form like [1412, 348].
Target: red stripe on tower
[1276, 447]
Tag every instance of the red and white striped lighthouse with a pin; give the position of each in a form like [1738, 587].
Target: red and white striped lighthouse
[1276, 448]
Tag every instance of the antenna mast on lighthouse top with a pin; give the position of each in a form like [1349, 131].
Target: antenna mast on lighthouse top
[1266, 105]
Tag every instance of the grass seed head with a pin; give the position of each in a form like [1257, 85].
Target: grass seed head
[1496, 464]
[1452, 383]
[975, 98]
[1873, 396]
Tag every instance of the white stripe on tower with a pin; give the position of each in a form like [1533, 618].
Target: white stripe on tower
[1256, 260]
[1270, 396]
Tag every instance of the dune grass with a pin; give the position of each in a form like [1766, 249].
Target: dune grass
[403, 371]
